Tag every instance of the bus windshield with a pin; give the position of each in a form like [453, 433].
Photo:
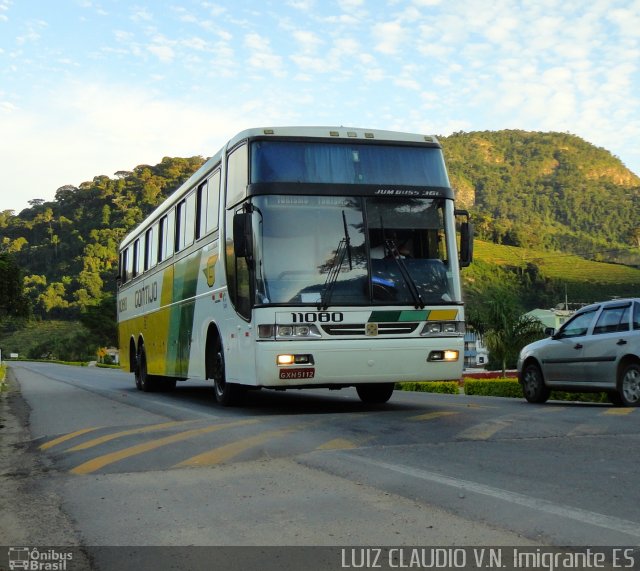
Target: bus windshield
[340, 163]
[331, 250]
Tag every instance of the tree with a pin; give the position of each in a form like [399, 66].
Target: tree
[504, 328]
[13, 302]
[101, 320]
[505, 342]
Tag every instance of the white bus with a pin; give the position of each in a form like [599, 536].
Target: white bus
[300, 257]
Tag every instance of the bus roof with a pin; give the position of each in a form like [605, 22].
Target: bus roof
[329, 133]
[333, 133]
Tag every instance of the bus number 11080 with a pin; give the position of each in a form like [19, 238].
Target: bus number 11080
[319, 317]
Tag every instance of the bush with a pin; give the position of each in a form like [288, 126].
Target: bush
[502, 387]
[443, 387]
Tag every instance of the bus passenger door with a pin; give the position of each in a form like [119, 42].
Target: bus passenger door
[239, 360]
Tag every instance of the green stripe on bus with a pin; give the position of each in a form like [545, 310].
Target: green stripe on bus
[185, 282]
[400, 315]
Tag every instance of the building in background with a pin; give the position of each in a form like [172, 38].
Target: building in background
[475, 353]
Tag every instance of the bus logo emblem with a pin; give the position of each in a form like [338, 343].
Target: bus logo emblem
[210, 270]
[371, 330]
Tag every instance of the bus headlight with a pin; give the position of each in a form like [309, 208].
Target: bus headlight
[443, 327]
[288, 359]
[288, 332]
[446, 355]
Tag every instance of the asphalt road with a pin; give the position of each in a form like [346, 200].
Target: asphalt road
[94, 462]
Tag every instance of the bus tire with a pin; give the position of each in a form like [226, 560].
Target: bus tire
[227, 394]
[144, 381]
[375, 393]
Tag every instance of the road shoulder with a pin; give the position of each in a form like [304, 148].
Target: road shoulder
[30, 511]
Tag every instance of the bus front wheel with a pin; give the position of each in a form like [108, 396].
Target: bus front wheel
[227, 394]
[375, 393]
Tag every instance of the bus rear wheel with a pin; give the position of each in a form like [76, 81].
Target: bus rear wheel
[375, 393]
[227, 394]
[144, 381]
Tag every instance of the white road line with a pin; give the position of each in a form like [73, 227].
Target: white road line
[584, 516]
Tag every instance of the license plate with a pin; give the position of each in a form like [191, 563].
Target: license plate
[292, 374]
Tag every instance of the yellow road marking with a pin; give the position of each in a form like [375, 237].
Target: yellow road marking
[470, 405]
[223, 453]
[344, 444]
[432, 415]
[483, 431]
[337, 444]
[109, 437]
[66, 437]
[619, 411]
[585, 430]
[101, 461]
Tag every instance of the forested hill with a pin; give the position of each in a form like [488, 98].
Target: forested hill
[548, 191]
[67, 248]
[539, 190]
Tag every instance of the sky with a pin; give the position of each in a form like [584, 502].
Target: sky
[92, 87]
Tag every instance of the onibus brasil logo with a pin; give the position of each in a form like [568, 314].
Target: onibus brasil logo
[32, 558]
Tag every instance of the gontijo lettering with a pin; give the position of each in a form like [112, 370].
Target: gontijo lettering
[146, 294]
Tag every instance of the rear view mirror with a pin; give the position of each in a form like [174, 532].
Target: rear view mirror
[242, 235]
[466, 239]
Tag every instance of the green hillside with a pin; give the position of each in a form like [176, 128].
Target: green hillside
[555, 274]
[550, 191]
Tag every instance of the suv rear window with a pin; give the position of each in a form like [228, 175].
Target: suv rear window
[613, 319]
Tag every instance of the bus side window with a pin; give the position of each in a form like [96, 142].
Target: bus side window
[181, 216]
[152, 245]
[237, 175]
[148, 240]
[201, 210]
[162, 234]
[171, 228]
[165, 237]
[124, 276]
[137, 258]
[128, 264]
[213, 201]
[190, 219]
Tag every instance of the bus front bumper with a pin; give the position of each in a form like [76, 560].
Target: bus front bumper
[353, 361]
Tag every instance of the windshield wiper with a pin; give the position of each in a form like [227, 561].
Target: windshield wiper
[392, 248]
[344, 249]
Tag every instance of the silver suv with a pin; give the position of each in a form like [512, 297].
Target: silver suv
[598, 349]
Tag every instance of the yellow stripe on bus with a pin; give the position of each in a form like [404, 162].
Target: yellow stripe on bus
[442, 315]
[105, 460]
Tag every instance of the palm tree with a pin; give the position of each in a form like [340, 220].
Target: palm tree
[504, 329]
